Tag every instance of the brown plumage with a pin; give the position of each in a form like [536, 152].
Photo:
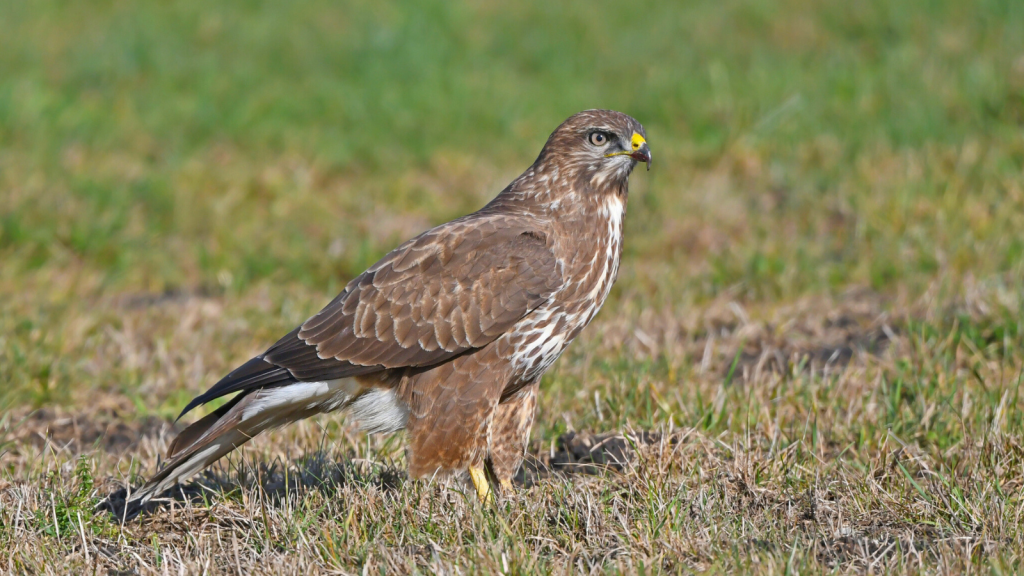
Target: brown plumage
[448, 335]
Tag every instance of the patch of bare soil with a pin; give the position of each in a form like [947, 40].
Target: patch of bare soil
[142, 300]
[582, 453]
[110, 429]
[856, 326]
[842, 349]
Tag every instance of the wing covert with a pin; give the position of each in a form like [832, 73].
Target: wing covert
[452, 289]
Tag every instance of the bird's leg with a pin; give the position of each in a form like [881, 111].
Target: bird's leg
[483, 487]
[509, 435]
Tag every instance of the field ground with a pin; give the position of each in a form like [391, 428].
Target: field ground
[811, 362]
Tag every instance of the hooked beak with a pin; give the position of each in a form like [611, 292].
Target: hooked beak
[639, 151]
[642, 154]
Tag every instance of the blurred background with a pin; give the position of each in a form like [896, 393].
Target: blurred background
[181, 182]
[819, 305]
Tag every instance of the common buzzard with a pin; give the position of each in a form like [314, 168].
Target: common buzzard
[448, 335]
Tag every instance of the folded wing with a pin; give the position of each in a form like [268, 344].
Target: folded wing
[449, 290]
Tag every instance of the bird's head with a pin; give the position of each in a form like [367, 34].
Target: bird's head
[602, 146]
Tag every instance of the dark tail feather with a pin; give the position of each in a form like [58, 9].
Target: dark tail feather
[254, 374]
[197, 429]
[201, 444]
[289, 360]
[243, 418]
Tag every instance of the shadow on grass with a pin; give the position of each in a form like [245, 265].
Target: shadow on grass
[320, 470]
[573, 453]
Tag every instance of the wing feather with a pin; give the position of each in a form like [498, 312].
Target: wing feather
[454, 288]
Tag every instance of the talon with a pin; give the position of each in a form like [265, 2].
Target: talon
[483, 487]
[506, 486]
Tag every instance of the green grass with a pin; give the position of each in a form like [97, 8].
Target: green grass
[182, 182]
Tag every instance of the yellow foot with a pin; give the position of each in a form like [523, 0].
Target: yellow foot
[483, 487]
[506, 486]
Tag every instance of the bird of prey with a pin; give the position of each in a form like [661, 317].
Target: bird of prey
[447, 336]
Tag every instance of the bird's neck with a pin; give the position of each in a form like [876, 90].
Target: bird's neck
[566, 196]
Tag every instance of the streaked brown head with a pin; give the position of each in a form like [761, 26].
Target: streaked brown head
[598, 141]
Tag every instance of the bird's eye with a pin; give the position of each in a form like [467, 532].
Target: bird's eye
[598, 138]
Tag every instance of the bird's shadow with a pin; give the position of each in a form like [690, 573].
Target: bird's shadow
[326, 471]
[320, 470]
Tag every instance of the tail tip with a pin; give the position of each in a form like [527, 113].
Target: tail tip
[126, 504]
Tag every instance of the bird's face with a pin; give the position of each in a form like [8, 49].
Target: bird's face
[616, 146]
[601, 145]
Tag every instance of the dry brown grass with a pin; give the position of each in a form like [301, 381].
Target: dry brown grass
[849, 435]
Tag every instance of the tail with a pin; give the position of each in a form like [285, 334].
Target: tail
[243, 418]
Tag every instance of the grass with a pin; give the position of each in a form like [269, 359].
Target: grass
[818, 315]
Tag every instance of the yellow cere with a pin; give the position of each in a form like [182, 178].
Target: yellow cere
[637, 141]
